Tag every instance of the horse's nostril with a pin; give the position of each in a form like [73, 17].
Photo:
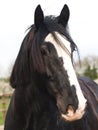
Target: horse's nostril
[70, 110]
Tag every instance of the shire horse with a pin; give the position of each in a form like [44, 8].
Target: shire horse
[48, 95]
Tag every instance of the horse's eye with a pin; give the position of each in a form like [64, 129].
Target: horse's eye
[61, 60]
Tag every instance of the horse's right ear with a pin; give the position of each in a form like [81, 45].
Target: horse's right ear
[39, 17]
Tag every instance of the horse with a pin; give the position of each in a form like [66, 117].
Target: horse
[48, 95]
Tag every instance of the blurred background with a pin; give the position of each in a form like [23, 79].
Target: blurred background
[16, 16]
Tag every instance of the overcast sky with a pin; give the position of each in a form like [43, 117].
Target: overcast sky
[17, 15]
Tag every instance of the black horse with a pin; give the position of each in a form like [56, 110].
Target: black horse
[46, 96]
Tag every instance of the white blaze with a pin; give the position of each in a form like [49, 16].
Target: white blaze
[69, 67]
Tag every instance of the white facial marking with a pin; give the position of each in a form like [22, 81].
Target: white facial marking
[69, 67]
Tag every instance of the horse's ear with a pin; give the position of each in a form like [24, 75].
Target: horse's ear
[39, 17]
[64, 16]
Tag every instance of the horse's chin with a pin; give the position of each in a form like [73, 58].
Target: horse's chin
[73, 116]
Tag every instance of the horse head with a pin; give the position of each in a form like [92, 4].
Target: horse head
[63, 80]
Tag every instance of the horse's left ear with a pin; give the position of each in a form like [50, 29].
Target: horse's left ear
[39, 17]
[64, 16]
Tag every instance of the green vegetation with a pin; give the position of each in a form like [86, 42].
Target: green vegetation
[5, 106]
[91, 72]
[88, 67]
[5, 79]
[1, 121]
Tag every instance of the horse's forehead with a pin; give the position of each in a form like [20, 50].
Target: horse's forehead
[64, 42]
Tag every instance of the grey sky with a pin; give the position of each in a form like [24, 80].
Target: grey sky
[17, 15]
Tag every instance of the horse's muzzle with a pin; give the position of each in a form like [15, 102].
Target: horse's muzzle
[72, 115]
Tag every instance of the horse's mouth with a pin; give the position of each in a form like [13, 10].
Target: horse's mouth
[72, 115]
